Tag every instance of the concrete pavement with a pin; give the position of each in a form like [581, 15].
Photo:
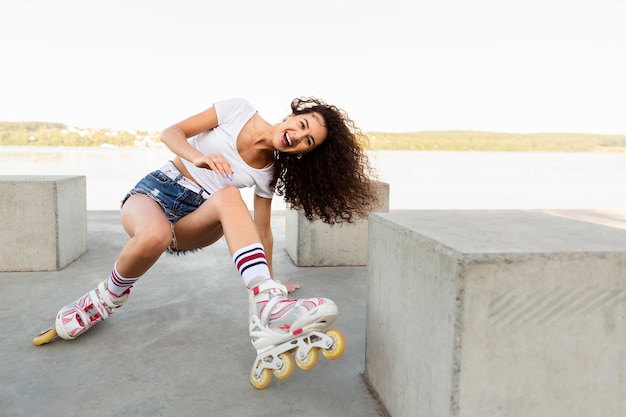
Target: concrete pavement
[179, 347]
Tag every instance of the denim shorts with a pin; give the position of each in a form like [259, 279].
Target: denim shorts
[175, 199]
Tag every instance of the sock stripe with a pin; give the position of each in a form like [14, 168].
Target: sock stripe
[118, 284]
[120, 281]
[249, 249]
[251, 258]
[251, 262]
[245, 251]
[245, 268]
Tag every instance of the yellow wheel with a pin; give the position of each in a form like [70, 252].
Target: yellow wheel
[338, 347]
[45, 336]
[309, 361]
[263, 380]
[288, 366]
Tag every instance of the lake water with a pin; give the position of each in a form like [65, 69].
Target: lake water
[418, 180]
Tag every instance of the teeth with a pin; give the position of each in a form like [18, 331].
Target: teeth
[287, 137]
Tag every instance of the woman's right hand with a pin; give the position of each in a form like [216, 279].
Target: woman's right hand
[215, 162]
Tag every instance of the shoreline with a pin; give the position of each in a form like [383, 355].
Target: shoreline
[418, 179]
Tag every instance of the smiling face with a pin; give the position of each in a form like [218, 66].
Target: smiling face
[301, 133]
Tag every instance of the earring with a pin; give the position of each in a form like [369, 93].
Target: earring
[299, 156]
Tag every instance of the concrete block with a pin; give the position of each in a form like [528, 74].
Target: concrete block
[496, 313]
[43, 221]
[315, 243]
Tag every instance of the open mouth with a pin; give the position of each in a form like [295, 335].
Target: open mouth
[287, 139]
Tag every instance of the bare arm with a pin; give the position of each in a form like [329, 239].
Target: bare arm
[176, 138]
[262, 221]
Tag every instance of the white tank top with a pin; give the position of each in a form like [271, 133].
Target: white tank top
[232, 115]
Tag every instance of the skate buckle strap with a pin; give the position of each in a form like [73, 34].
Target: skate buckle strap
[88, 305]
[105, 297]
[269, 285]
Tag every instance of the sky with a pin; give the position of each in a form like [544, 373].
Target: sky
[395, 65]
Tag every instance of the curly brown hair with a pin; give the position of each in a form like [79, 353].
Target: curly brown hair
[332, 182]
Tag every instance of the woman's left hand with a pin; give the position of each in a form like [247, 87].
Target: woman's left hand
[291, 288]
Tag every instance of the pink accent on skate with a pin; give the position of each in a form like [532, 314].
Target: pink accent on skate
[284, 308]
[94, 312]
[115, 296]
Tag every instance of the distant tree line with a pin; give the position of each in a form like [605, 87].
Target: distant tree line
[467, 140]
[58, 134]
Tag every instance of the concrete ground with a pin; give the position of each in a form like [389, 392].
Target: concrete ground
[179, 347]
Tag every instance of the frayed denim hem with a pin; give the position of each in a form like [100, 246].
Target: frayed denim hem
[177, 252]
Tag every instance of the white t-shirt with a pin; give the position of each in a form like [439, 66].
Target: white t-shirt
[232, 115]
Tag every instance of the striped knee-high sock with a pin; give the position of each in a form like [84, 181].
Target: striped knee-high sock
[117, 284]
[251, 263]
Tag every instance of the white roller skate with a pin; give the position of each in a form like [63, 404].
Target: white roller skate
[279, 325]
[76, 318]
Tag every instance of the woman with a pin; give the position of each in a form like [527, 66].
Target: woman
[313, 158]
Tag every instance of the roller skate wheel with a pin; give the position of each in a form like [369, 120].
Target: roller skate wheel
[262, 380]
[286, 370]
[309, 361]
[45, 336]
[339, 345]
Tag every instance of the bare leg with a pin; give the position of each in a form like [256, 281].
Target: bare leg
[150, 234]
[201, 228]
[223, 214]
[204, 226]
